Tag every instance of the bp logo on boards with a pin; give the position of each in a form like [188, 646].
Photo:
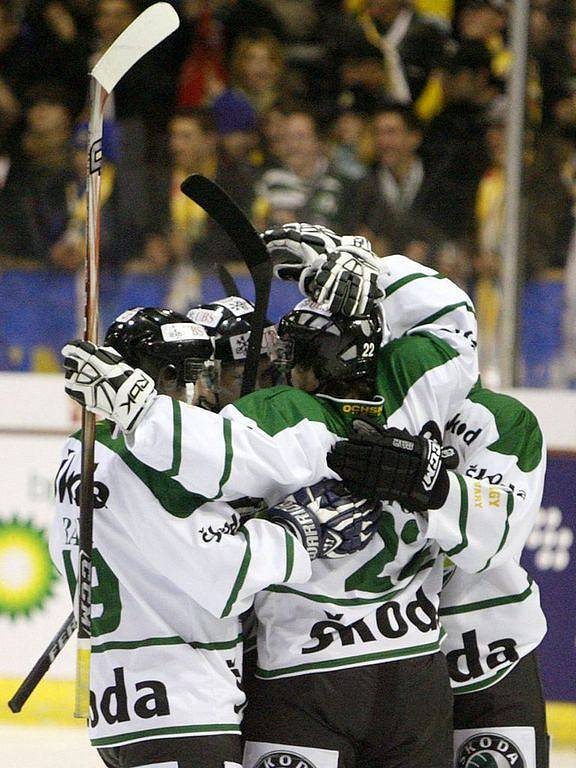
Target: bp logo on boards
[489, 750]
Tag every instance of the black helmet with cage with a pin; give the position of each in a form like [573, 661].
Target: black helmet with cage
[338, 350]
[229, 322]
[159, 339]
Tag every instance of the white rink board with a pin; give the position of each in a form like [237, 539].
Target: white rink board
[35, 417]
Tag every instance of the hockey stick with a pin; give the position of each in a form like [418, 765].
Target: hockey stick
[28, 685]
[144, 33]
[227, 281]
[209, 196]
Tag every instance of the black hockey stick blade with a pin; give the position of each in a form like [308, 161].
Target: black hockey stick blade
[227, 281]
[29, 684]
[225, 212]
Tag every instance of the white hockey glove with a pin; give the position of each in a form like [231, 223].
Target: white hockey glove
[295, 247]
[347, 281]
[327, 520]
[99, 379]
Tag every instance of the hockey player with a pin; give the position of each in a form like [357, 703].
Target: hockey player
[228, 322]
[167, 647]
[493, 620]
[384, 603]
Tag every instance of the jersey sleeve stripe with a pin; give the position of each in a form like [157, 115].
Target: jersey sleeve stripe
[509, 510]
[289, 555]
[171, 730]
[463, 518]
[129, 645]
[491, 603]
[229, 455]
[241, 575]
[408, 279]
[382, 598]
[176, 438]
[444, 311]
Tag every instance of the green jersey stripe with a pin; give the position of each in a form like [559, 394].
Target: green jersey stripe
[484, 683]
[129, 645]
[172, 496]
[490, 603]
[463, 518]
[229, 455]
[366, 658]
[241, 575]
[283, 589]
[408, 279]
[518, 429]
[176, 438]
[169, 493]
[399, 370]
[108, 741]
[509, 510]
[289, 555]
[444, 311]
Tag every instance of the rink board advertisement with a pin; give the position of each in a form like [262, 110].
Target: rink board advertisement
[36, 416]
[550, 558]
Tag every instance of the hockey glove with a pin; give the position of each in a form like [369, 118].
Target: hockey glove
[348, 280]
[99, 379]
[390, 464]
[295, 247]
[327, 520]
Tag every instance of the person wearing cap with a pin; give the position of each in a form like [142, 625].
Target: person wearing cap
[236, 123]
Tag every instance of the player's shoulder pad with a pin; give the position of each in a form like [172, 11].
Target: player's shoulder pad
[282, 407]
[518, 428]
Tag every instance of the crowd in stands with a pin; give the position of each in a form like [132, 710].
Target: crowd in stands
[381, 117]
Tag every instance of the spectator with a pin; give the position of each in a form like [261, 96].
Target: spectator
[236, 126]
[454, 146]
[17, 72]
[411, 45]
[60, 33]
[182, 230]
[485, 21]
[398, 199]
[248, 17]
[257, 69]
[272, 134]
[202, 74]
[33, 203]
[349, 136]
[305, 187]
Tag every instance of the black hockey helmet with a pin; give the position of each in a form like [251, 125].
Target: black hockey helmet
[336, 348]
[229, 322]
[152, 339]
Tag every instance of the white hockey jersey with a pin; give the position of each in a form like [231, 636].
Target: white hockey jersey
[167, 566]
[493, 619]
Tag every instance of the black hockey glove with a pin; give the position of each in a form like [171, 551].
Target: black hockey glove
[99, 379]
[348, 280]
[327, 520]
[390, 464]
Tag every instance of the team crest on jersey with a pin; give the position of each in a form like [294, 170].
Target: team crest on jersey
[284, 760]
[489, 750]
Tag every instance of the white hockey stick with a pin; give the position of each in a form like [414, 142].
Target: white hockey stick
[151, 27]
